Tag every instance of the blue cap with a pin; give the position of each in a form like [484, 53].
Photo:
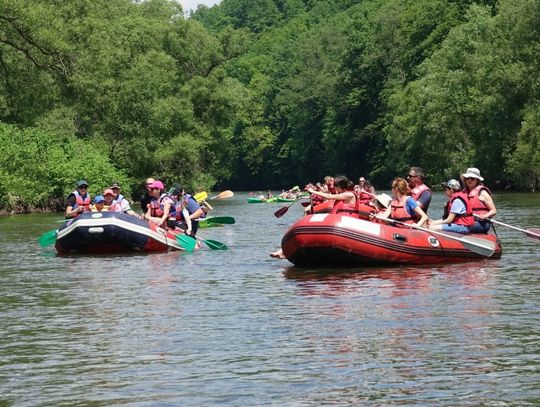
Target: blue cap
[81, 183]
[99, 199]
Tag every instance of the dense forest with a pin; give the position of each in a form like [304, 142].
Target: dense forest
[264, 94]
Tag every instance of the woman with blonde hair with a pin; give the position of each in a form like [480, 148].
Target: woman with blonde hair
[403, 207]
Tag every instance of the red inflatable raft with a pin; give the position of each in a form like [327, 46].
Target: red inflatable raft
[334, 240]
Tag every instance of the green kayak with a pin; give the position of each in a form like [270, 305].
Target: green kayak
[261, 200]
[286, 199]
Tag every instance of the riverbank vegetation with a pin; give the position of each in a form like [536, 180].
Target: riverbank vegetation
[263, 94]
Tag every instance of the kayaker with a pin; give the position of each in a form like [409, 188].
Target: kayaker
[78, 201]
[480, 198]
[161, 206]
[457, 215]
[419, 191]
[403, 207]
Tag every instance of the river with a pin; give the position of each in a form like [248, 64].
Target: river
[237, 327]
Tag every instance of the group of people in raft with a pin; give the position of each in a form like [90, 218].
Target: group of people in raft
[172, 209]
[468, 210]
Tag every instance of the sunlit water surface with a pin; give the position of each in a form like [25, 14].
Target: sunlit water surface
[237, 327]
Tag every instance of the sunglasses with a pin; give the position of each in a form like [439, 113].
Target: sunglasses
[154, 189]
[83, 187]
[469, 178]
[410, 176]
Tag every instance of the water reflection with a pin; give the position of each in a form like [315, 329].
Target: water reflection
[235, 327]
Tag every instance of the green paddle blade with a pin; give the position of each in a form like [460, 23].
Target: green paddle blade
[47, 238]
[223, 220]
[215, 245]
[187, 242]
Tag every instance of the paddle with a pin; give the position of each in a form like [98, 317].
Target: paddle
[48, 238]
[532, 233]
[187, 242]
[282, 211]
[474, 244]
[213, 244]
[201, 196]
[222, 220]
[222, 195]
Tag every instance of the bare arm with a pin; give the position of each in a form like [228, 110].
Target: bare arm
[185, 213]
[447, 221]
[347, 196]
[422, 214]
[488, 201]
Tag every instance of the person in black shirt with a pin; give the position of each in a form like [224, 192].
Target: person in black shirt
[145, 200]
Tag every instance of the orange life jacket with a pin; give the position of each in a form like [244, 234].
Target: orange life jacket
[82, 201]
[399, 212]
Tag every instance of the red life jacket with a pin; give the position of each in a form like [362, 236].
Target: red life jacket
[323, 207]
[473, 197]
[365, 210]
[342, 207]
[399, 212]
[80, 201]
[365, 197]
[417, 191]
[316, 200]
[465, 219]
[156, 206]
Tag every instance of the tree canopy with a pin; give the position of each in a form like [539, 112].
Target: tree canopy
[265, 94]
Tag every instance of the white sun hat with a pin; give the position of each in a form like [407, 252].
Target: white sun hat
[383, 199]
[472, 173]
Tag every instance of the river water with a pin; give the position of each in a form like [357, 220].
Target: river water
[239, 328]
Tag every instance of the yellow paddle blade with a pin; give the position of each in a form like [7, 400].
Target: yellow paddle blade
[201, 196]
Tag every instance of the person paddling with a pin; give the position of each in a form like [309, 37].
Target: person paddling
[403, 207]
[480, 198]
[78, 201]
[458, 215]
[185, 200]
[161, 206]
